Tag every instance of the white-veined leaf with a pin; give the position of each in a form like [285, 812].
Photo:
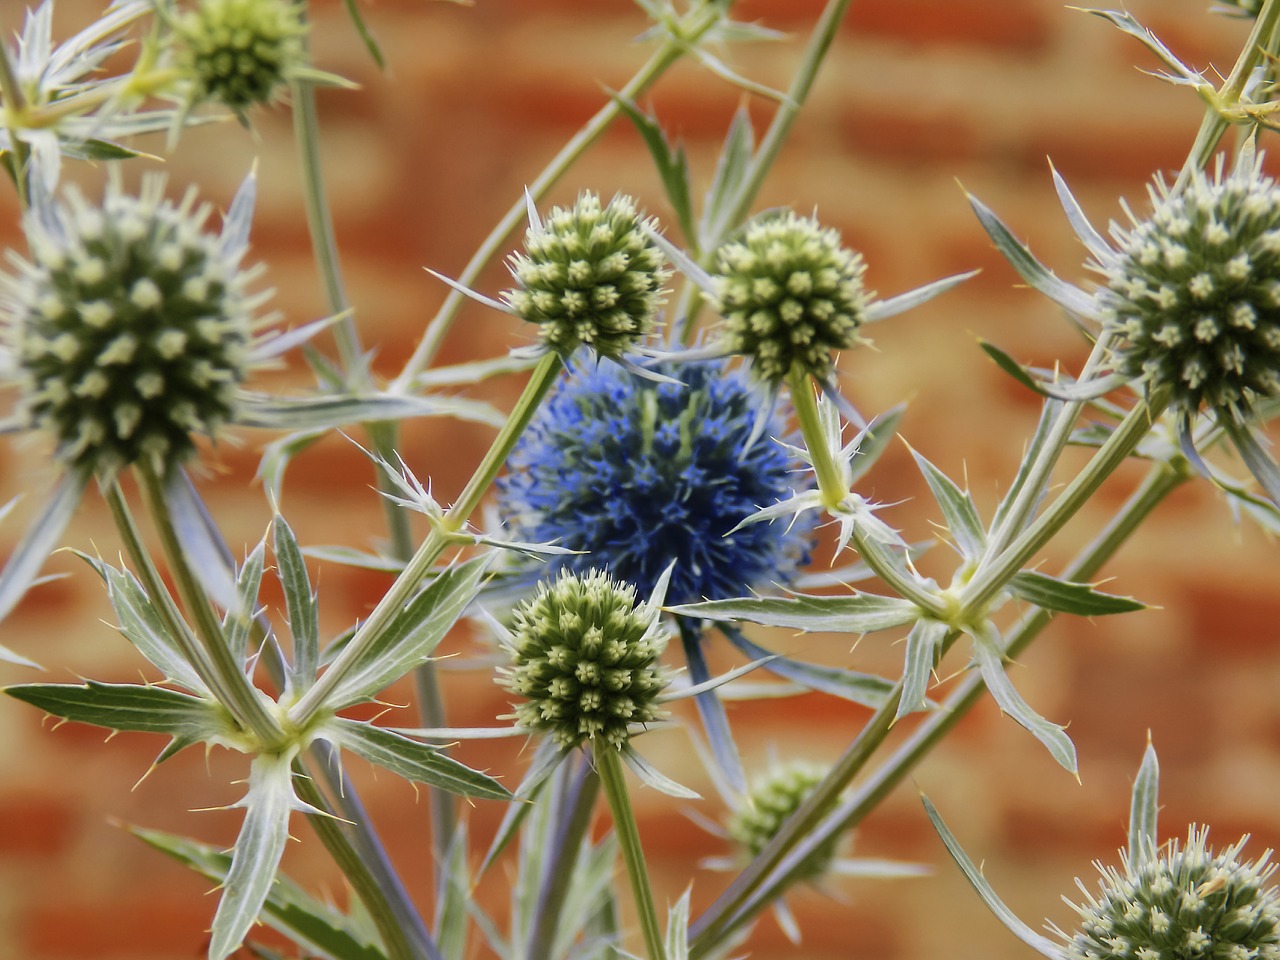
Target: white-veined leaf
[300, 601]
[1144, 810]
[958, 509]
[1063, 596]
[860, 613]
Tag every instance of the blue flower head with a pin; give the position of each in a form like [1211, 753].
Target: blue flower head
[638, 474]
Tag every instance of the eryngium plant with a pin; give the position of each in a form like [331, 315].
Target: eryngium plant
[241, 52]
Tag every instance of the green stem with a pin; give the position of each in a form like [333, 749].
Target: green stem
[14, 105]
[233, 687]
[696, 25]
[987, 582]
[609, 767]
[831, 481]
[333, 833]
[441, 536]
[760, 884]
[306, 133]
[559, 865]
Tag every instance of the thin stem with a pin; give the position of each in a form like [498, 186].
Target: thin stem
[831, 482]
[691, 30]
[15, 104]
[575, 818]
[240, 697]
[441, 535]
[333, 833]
[609, 767]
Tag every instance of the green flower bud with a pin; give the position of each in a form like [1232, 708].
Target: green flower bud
[790, 295]
[1185, 904]
[240, 52]
[1194, 294]
[586, 658]
[590, 275]
[131, 327]
[766, 807]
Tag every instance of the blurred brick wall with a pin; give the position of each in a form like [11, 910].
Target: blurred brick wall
[918, 94]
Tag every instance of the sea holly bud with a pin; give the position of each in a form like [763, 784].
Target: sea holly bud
[1185, 902]
[590, 274]
[586, 657]
[131, 327]
[1193, 293]
[240, 52]
[791, 295]
[767, 806]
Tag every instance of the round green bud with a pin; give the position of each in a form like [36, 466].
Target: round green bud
[131, 327]
[766, 807]
[791, 296]
[590, 275]
[1187, 903]
[586, 658]
[239, 52]
[1193, 294]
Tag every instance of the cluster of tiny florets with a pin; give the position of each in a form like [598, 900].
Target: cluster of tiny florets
[1194, 294]
[636, 474]
[239, 52]
[767, 806]
[791, 295]
[590, 274]
[130, 325]
[586, 658]
[1187, 903]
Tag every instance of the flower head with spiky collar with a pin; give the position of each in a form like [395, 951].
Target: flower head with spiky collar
[241, 52]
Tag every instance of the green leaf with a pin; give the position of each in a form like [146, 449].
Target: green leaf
[1063, 596]
[365, 34]
[238, 621]
[316, 927]
[678, 928]
[861, 613]
[304, 623]
[958, 509]
[862, 688]
[731, 168]
[451, 899]
[1144, 810]
[129, 706]
[546, 757]
[411, 759]
[1012, 367]
[990, 658]
[1254, 455]
[672, 164]
[326, 413]
[1127, 24]
[142, 626]
[1041, 944]
[1037, 275]
[591, 890]
[1048, 416]
[257, 852]
[412, 635]
[923, 643]
[875, 441]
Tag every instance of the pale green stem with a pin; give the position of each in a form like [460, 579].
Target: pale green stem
[609, 767]
[1215, 124]
[333, 833]
[441, 536]
[241, 698]
[978, 593]
[762, 885]
[698, 23]
[14, 105]
[1055, 442]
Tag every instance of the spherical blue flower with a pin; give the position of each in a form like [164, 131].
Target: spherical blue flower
[638, 474]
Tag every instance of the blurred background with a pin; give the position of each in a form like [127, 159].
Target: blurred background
[920, 100]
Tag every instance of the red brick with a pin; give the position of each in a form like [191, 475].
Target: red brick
[144, 922]
[1016, 27]
[34, 824]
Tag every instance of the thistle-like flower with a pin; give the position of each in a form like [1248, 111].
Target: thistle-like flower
[586, 658]
[590, 274]
[241, 52]
[791, 295]
[766, 807]
[1186, 902]
[1193, 293]
[636, 474]
[130, 326]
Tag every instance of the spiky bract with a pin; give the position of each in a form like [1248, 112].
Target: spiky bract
[1194, 294]
[1186, 903]
[637, 474]
[130, 326]
[791, 295]
[586, 657]
[590, 274]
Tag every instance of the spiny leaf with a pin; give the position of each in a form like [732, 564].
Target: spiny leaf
[1066, 597]
[861, 613]
[129, 706]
